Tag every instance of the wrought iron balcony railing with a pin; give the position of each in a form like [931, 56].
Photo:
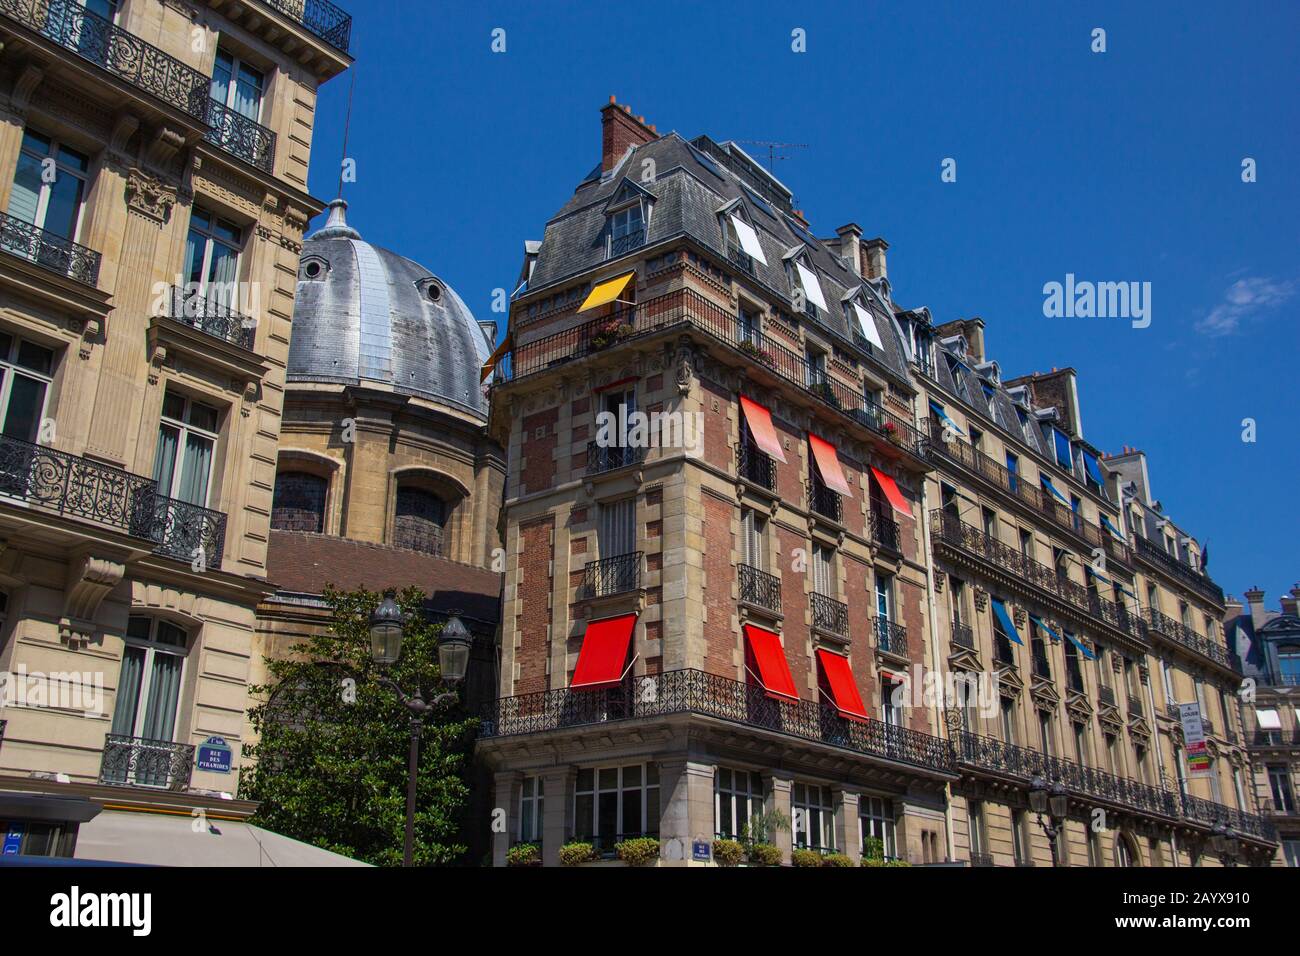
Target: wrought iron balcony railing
[1180, 633]
[1274, 739]
[70, 25]
[996, 474]
[756, 466]
[137, 762]
[187, 532]
[319, 17]
[211, 317]
[1135, 706]
[759, 588]
[1074, 677]
[686, 306]
[950, 530]
[884, 531]
[1003, 652]
[1041, 666]
[963, 635]
[981, 859]
[241, 137]
[1208, 813]
[603, 458]
[825, 502]
[741, 259]
[626, 243]
[614, 575]
[721, 698]
[891, 637]
[1106, 695]
[68, 485]
[989, 753]
[48, 250]
[829, 614]
[1153, 554]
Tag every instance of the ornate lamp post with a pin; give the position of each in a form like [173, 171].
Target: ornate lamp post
[1055, 802]
[1222, 842]
[387, 625]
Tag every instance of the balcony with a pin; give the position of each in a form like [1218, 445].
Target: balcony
[626, 243]
[687, 307]
[829, 615]
[1211, 814]
[241, 137]
[1183, 635]
[603, 458]
[124, 55]
[49, 251]
[74, 487]
[891, 638]
[211, 317]
[981, 859]
[983, 549]
[1157, 556]
[1074, 677]
[320, 18]
[1106, 695]
[1041, 666]
[963, 636]
[755, 466]
[884, 531]
[759, 588]
[720, 698]
[610, 576]
[741, 259]
[1135, 706]
[823, 501]
[137, 762]
[997, 475]
[1274, 740]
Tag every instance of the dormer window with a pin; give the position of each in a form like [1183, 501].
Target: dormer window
[804, 279]
[743, 246]
[958, 370]
[628, 214]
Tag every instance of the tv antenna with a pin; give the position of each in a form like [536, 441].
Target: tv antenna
[772, 148]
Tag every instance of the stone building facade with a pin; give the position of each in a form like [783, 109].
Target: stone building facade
[152, 209]
[753, 618]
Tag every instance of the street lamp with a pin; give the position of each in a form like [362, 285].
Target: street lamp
[1221, 840]
[387, 624]
[1053, 801]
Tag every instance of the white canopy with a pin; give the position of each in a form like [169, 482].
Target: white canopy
[748, 238]
[1268, 719]
[811, 287]
[868, 326]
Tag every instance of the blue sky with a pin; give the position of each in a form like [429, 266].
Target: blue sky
[1115, 166]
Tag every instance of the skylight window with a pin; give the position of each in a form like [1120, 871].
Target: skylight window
[707, 161]
[759, 201]
[800, 231]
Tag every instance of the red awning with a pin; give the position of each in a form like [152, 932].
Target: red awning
[604, 653]
[895, 496]
[769, 661]
[761, 427]
[844, 689]
[828, 463]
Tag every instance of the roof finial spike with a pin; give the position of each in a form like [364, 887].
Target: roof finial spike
[336, 226]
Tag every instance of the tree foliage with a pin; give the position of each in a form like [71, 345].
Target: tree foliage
[330, 764]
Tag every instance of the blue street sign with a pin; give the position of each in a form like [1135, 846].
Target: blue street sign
[214, 756]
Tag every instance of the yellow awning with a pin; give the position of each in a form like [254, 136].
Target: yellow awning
[495, 357]
[606, 292]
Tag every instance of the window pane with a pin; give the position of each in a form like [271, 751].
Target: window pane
[26, 195]
[34, 357]
[203, 416]
[128, 691]
[299, 504]
[64, 205]
[196, 471]
[26, 401]
[582, 817]
[418, 521]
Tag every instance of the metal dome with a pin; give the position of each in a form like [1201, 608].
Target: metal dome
[365, 314]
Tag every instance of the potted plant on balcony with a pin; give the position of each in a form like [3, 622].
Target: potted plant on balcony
[757, 835]
[892, 432]
[577, 852]
[873, 854]
[729, 852]
[610, 332]
[638, 851]
[524, 854]
[758, 354]
[826, 392]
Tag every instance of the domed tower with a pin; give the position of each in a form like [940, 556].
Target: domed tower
[383, 439]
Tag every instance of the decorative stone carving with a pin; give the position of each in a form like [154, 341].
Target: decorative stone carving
[1018, 615]
[124, 126]
[89, 581]
[156, 362]
[149, 196]
[939, 578]
[981, 599]
[24, 87]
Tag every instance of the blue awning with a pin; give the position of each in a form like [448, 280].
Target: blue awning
[944, 417]
[1043, 626]
[1083, 648]
[1008, 628]
[1093, 469]
[1112, 529]
[1115, 584]
[1063, 454]
[1047, 483]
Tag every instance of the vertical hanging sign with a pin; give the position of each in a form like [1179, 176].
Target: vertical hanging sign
[1198, 757]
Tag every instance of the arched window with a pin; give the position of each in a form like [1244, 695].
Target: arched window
[299, 502]
[419, 520]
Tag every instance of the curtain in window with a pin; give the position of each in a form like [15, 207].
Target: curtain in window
[195, 471]
[222, 274]
[617, 528]
[822, 577]
[194, 245]
[221, 76]
[164, 696]
[25, 199]
[128, 692]
[164, 459]
[248, 93]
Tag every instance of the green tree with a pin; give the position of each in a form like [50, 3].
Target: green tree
[330, 765]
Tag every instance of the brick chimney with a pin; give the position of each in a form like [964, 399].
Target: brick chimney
[619, 129]
[1291, 602]
[873, 256]
[1255, 599]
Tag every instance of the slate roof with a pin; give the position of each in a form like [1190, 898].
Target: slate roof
[689, 192]
[1000, 409]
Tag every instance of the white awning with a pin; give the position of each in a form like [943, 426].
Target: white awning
[868, 326]
[811, 287]
[748, 238]
[1268, 719]
[163, 839]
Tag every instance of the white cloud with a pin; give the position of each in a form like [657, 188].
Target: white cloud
[1244, 299]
